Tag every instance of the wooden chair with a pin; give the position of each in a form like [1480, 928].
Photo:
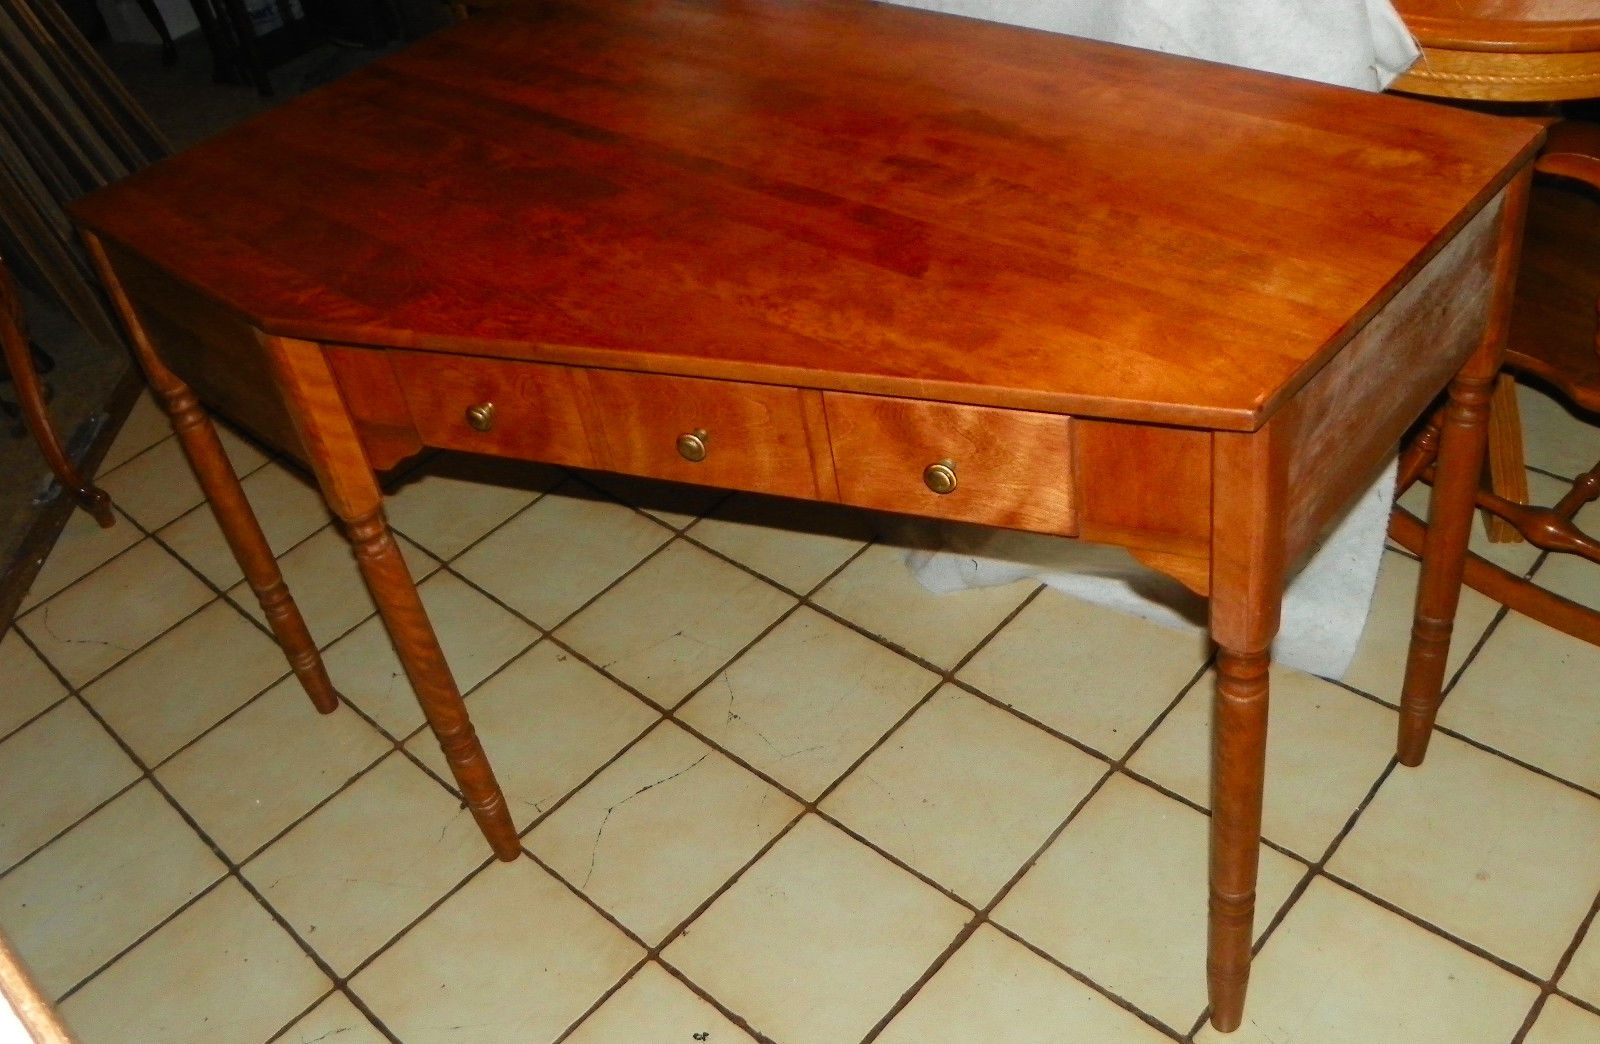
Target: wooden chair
[30, 397]
[1535, 55]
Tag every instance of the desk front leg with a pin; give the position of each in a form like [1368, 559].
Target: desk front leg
[1247, 578]
[352, 492]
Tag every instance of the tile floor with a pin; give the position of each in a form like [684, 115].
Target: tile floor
[771, 791]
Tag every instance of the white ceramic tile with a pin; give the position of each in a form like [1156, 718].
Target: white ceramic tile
[114, 611]
[326, 583]
[477, 637]
[146, 425]
[654, 1006]
[52, 772]
[81, 547]
[1096, 674]
[1555, 440]
[964, 792]
[818, 939]
[26, 684]
[878, 592]
[1326, 746]
[360, 868]
[1582, 977]
[1489, 851]
[220, 971]
[186, 681]
[661, 829]
[676, 503]
[95, 890]
[1530, 693]
[1380, 661]
[1342, 969]
[808, 700]
[513, 956]
[795, 542]
[1563, 1022]
[334, 1021]
[286, 504]
[455, 499]
[1121, 897]
[995, 989]
[675, 621]
[560, 553]
[158, 485]
[547, 722]
[268, 765]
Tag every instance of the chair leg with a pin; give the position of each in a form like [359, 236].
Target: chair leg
[1508, 473]
[35, 413]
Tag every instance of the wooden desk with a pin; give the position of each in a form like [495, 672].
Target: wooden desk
[847, 252]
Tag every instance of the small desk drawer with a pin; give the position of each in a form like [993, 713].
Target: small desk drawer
[968, 463]
[508, 409]
[715, 433]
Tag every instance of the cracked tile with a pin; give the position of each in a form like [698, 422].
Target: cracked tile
[477, 637]
[187, 680]
[221, 970]
[674, 622]
[1120, 896]
[995, 989]
[1454, 842]
[81, 547]
[268, 765]
[95, 890]
[114, 611]
[879, 593]
[818, 939]
[808, 700]
[334, 1021]
[560, 553]
[664, 826]
[53, 771]
[1340, 969]
[964, 792]
[354, 873]
[547, 721]
[513, 956]
[1095, 674]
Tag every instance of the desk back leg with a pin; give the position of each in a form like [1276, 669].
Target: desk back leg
[228, 503]
[330, 439]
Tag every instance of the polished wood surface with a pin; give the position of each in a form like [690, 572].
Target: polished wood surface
[981, 214]
[826, 249]
[1504, 50]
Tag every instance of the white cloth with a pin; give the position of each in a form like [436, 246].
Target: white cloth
[1353, 43]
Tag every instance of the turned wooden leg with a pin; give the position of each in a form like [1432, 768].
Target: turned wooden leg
[1463, 436]
[1239, 757]
[35, 412]
[418, 647]
[1508, 473]
[228, 503]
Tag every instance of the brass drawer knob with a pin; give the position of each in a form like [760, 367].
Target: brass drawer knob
[692, 445]
[940, 477]
[481, 416]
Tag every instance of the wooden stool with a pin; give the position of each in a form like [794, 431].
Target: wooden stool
[1537, 53]
[30, 396]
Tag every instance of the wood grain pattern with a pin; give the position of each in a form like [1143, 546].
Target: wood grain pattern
[756, 436]
[538, 410]
[377, 405]
[1144, 487]
[1013, 469]
[1504, 25]
[980, 214]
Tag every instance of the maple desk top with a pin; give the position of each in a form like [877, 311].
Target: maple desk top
[827, 193]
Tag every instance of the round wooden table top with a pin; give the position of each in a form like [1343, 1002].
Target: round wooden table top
[1504, 50]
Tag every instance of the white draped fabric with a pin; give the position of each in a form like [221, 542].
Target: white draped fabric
[1353, 43]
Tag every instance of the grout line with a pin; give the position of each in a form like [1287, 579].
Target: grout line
[1549, 985]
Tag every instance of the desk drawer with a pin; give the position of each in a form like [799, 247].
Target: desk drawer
[999, 467]
[526, 410]
[715, 433]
